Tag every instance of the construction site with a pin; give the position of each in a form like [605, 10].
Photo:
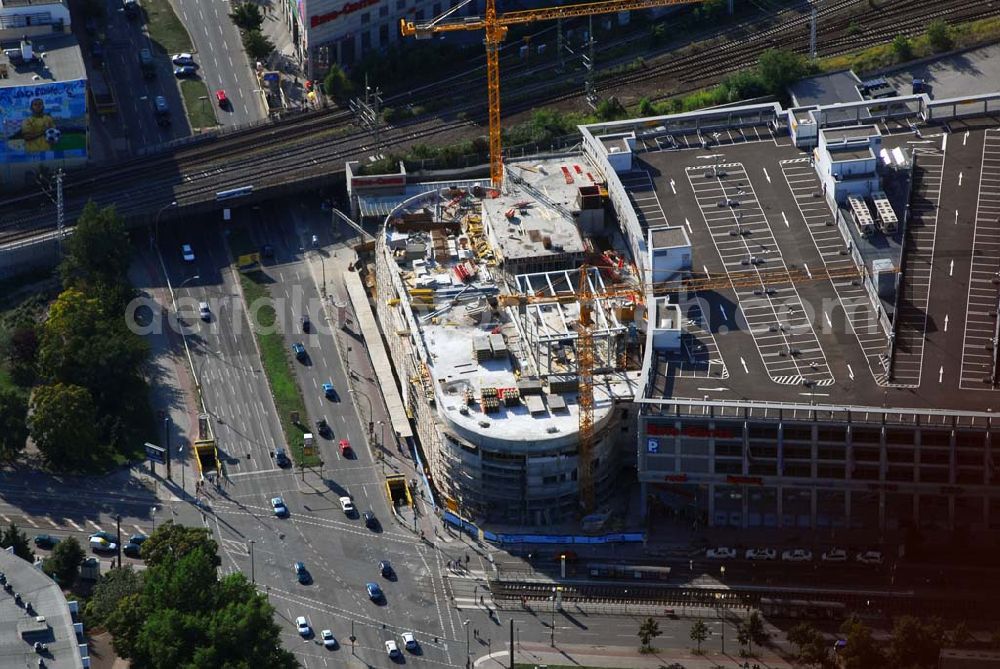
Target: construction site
[484, 296]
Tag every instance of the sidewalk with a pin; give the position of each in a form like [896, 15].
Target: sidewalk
[625, 657]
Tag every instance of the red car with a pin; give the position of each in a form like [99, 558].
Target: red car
[220, 95]
[345, 448]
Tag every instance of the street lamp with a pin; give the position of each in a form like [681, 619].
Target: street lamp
[552, 626]
[367, 399]
[381, 444]
[253, 578]
[467, 653]
[156, 221]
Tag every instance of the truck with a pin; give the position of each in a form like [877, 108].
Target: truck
[102, 93]
[147, 64]
[205, 450]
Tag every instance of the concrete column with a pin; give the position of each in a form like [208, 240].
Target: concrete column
[847, 509]
[711, 505]
[812, 507]
[779, 504]
[745, 500]
[644, 504]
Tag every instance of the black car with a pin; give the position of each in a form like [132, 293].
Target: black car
[385, 569]
[46, 541]
[281, 457]
[306, 323]
[371, 522]
[301, 573]
[324, 429]
[132, 550]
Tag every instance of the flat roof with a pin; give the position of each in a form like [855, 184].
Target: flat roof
[798, 344]
[57, 58]
[669, 237]
[19, 631]
[854, 133]
[826, 89]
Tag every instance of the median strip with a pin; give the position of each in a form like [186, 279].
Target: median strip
[274, 354]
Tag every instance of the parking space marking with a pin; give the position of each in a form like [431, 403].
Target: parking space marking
[699, 356]
[984, 275]
[95, 526]
[71, 522]
[642, 192]
[915, 281]
[679, 139]
[774, 315]
[829, 242]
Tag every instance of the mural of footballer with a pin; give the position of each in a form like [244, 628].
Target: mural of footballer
[34, 128]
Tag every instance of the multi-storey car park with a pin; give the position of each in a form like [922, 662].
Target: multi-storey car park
[799, 306]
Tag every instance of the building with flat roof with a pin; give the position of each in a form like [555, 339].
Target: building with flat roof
[479, 301]
[36, 621]
[43, 105]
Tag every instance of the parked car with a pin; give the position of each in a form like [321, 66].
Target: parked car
[347, 505]
[204, 311]
[374, 591]
[278, 505]
[107, 536]
[410, 642]
[305, 631]
[869, 557]
[834, 555]
[329, 640]
[102, 545]
[182, 59]
[46, 541]
[761, 554]
[132, 550]
[385, 568]
[721, 552]
[185, 71]
[301, 573]
[392, 649]
[187, 253]
[797, 555]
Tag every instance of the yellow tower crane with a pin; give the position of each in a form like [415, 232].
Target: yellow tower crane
[495, 28]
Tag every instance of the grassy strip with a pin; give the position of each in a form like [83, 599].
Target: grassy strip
[274, 353]
[165, 28]
[200, 113]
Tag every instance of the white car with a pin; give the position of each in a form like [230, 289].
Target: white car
[187, 253]
[835, 555]
[182, 59]
[392, 649]
[102, 545]
[720, 553]
[328, 639]
[761, 554]
[303, 625]
[409, 641]
[346, 505]
[870, 557]
[797, 555]
[204, 311]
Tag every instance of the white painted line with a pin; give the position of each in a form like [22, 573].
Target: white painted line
[965, 137]
[806, 268]
[956, 217]
[672, 187]
[688, 224]
[73, 523]
[744, 363]
[946, 322]
[828, 321]
[941, 374]
[815, 394]
[95, 526]
[766, 174]
[724, 316]
[785, 219]
[139, 530]
[705, 268]
[51, 522]
[7, 519]
[951, 267]
[959, 178]
[850, 371]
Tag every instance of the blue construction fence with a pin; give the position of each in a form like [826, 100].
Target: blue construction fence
[473, 531]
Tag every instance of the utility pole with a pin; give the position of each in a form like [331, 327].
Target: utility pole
[368, 113]
[812, 34]
[166, 430]
[253, 578]
[511, 664]
[118, 524]
[590, 89]
[60, 225]
[560, 45]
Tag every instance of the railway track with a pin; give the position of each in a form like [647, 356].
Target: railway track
[292, 147]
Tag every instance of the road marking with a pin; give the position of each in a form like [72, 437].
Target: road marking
[51, 522]
[95, 526]
[73, 523]
[260, 471]
[941, 374]
[959, 178]
[138, 529]
[965, 137]
[724, 316]
[785, 218]
[815, 394]
[744, 363]
[946, 322]
[767, 175]
[688, 224]
[951, 267]
[672, 187]
[956, 217]
[7, 519]
[806, 268]
[828, 321]
[33, 523]
[704, 267]
[850, 371]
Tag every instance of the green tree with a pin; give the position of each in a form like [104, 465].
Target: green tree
[64, 563]
[778, 69]
[756, 631]
[939, 35]
[610, 109]
[902, 47]
[959, 636]
[337, 85]
[98, 255]
[861, 651]
[915, 643]
[247, 17]
[125, 622]
[63, 426]
[13, 423]
[646, 107]
[22, 351]
[13, 536]
[699, 632]
[743, 638]
[257, 45]
[110, 590]
[811, 646]
[648, 630]
[172, 541]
